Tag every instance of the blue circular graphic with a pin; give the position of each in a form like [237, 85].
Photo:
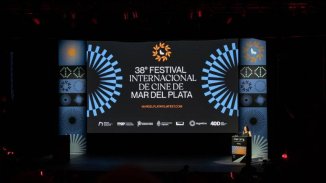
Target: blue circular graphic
[107, 71]
[246, 100]
[79, 85]
[260, 85]
[260, 100]
[79, 99]
[65, 99]
[215, 80]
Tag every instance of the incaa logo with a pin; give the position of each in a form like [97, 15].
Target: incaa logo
[215, 123]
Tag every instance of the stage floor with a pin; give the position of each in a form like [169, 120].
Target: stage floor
[153, 164]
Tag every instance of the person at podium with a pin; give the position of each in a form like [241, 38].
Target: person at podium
[246, 131]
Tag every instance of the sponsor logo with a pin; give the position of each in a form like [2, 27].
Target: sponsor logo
[223, 123]
[215, 123]
[108, 124]
[120, 123]
[179, 123]
[166, 123]
[140, 123]
[130, 124]
[218, 123]
[192, 123]
[201, 123]
[100, 123]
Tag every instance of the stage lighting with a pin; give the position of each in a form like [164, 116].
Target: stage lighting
[130, 14]
[284, 156]
[232, 176]
[94, 21]
[134, 14]
[298, 8]
[229, 20]
[195, 14]
[41, 173]
[36, 21]
[7, 151]
[199, 13]
[73, 15]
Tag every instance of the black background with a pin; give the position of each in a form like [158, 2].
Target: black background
[30, 121]
[295, 55]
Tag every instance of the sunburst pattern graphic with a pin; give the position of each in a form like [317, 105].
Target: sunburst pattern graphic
[72, 120]
[77, 144]
[215, 76]
[253, 51]
[101, 64]
[255, 118]
[259, 147]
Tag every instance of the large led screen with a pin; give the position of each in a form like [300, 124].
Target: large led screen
[162, 87]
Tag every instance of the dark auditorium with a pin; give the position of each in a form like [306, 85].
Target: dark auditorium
[162, 91]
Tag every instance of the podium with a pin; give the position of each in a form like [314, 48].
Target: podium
[241, 149]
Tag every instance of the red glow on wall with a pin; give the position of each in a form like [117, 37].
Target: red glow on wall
[199, 13]
[37, 21]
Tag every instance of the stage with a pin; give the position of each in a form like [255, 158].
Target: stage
[154, 164]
